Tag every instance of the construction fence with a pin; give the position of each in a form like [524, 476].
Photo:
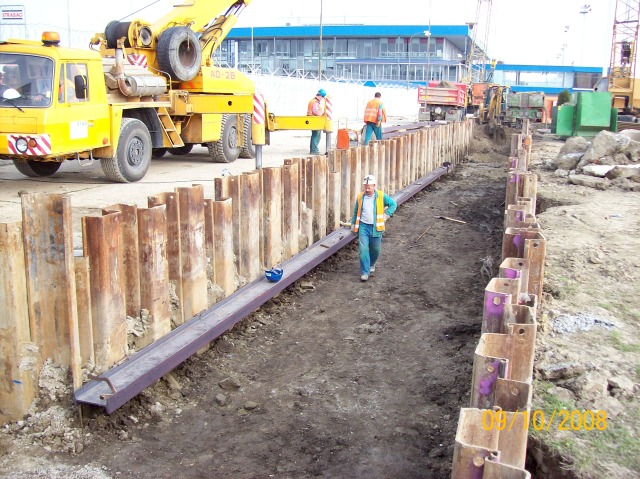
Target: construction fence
[491, 440]
[163, 265]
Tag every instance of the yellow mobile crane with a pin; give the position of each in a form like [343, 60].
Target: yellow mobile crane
[152, 87]
[621, 80]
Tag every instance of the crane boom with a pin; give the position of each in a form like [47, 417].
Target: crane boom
[197, 15]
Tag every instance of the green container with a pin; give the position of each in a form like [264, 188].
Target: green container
[591, 114]
[594, 109]
[564, 121]
[554, 118]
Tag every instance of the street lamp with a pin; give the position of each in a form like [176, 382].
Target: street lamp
[584, 9]
[427, 34]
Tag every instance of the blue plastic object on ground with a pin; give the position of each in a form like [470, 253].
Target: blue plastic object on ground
[274, 275]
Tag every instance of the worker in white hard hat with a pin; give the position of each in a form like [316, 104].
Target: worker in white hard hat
[372, 209]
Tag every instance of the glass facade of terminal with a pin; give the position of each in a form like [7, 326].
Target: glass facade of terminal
[355, 59]
[385, 54]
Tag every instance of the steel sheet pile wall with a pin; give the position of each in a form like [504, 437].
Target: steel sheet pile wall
[165, 264]
[491, 440]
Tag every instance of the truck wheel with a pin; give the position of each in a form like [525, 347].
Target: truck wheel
[34, 168]
[133, 155]
[226, 150]
[179, 53]
[158, 153]
[249, 150]
[182, 150]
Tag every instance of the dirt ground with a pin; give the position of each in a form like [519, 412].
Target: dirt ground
[341, 379]
[588, 353]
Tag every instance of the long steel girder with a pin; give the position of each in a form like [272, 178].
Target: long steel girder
[123, 382]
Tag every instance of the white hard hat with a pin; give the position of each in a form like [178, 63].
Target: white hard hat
[369, 180]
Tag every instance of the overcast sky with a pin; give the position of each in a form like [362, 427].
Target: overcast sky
[523, 32]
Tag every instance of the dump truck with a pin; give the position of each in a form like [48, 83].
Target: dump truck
[524, 106]
[442, 101]
[141, 90]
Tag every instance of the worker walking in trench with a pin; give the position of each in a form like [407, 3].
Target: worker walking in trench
[374, 115]
[372, 209]
[315, 109]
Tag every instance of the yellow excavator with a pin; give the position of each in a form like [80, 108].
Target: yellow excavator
[142, 90]
[491, 112]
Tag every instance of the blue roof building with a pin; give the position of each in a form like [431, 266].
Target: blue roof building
[385, 54]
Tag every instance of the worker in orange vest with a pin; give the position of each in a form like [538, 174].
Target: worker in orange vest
[374, 115]
[315, 109]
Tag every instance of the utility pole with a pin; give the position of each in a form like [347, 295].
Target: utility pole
[320, 52]
[68, 25]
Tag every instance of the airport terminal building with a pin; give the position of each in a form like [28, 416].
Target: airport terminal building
[385, 54]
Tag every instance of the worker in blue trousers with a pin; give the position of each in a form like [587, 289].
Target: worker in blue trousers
[372, 209]
[315, 109]
[374, 116]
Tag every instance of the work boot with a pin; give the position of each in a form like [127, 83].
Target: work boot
[364, 277]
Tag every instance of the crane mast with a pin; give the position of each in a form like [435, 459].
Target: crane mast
[623, 53]
[477, 58]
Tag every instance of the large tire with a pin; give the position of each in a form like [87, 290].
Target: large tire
[35, 169]
[133, 155]
[115, 30]
[158, 153]
[249, 150]
[182, 150]
[226, 150]
[179, 53]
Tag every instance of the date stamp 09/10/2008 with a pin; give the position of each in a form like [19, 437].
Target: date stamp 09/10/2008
[562, 419]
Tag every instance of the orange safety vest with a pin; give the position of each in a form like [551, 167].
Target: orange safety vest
[70, 87]
[378, 210]
[310, 106]
[374, 110]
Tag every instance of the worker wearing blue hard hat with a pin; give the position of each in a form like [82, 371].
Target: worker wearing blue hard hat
[315, 109]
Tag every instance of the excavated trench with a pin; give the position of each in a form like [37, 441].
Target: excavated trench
[338, 378]
[333, 377]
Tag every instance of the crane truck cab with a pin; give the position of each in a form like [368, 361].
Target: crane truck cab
[53, 105]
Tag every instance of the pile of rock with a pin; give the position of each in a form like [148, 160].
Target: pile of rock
[609, 159]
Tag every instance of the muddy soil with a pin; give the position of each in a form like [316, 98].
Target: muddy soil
[333, 378]
[341, 379]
